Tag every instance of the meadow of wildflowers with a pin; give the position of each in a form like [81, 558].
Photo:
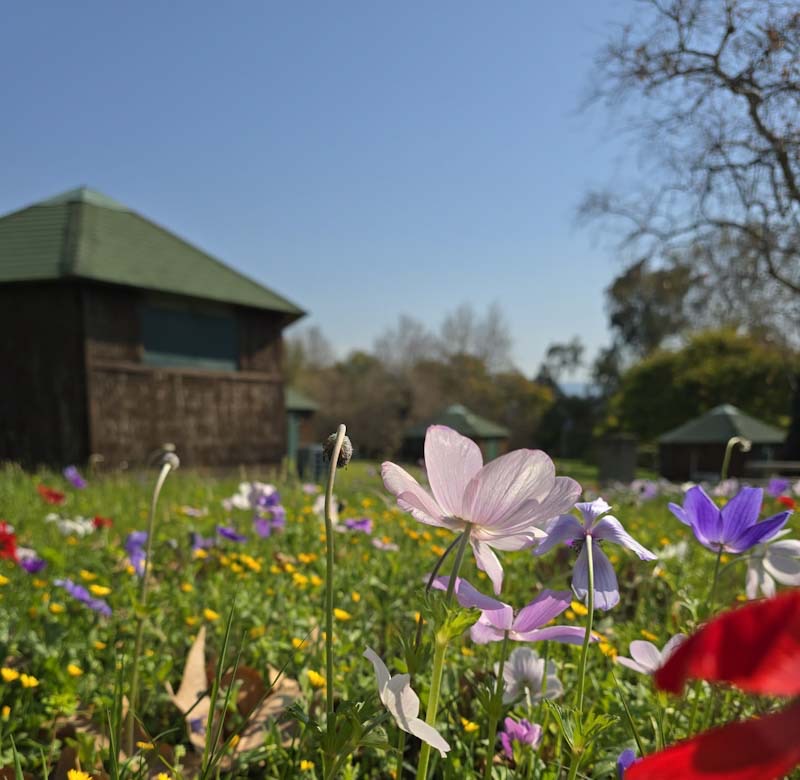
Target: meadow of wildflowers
[495, 620]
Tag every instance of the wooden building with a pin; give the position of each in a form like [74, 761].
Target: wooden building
[695, 450]
[489, 436]
[117, 336]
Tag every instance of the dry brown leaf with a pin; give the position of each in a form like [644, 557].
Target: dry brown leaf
[192, 698]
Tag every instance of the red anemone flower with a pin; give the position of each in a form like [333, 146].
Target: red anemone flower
[8, 542]
[50, 495]
[756, 648]
[787, 501]
[102, 522]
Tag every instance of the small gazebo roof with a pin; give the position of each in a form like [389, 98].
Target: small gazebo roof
[461, 419]
[295, 401]
[84, 234]
[720, 424]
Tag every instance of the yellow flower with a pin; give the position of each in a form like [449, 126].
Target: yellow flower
[9, 675]
[649, 635]
[100, 590]
[316, 580]
[297, 643]
[299, 579]
[209, 614]
[77, 774]
[413, 535]
[427, 536]
[437, 550]
[316, 679]
[5, 713]
[39, 583]
[569, 615]
[130, 570]
[356, 596]
[191, 620]
[200, 553]
[98, 645]
[256, 632]
[306, 765]
[578, 608]
[234, 741]
[145, 745]
[72, 541]
[275, 569]
[237, 568]
[367, 502]
[163, 776]
[28, 681]
[4, 580]
[74, 671]
[607, 649]
[341, 614]
[469, 726]
[467, 652]
[57, 609]
[307, 558]
[87, 575]
[187, 587]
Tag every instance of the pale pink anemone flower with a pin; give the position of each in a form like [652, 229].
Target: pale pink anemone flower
[505, 504]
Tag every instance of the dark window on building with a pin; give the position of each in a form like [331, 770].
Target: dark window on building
[186, 337]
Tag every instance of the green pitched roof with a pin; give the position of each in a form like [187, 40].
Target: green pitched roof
[461, 419]
[85, 234]
[295, 401]
[719, 425]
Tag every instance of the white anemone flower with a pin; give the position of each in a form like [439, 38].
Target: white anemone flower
[403, 704]
[524, 674]
[647, 658]
[777, 560]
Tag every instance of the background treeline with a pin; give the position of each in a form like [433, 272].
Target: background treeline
[640, 386]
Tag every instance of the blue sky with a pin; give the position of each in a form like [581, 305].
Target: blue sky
[365, 159]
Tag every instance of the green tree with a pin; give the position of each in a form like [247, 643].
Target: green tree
[670, 387]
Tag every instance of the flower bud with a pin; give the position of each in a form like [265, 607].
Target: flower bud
[345, 453]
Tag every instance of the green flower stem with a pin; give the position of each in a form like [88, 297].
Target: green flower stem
[337, 447]
[628, 715]
[577, 749]
[170, 463]
[441, 641]
[712, 594]
[495, 707]
[587, 637]
[401, 749]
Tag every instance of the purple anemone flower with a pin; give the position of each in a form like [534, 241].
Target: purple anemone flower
[626, 759]
[497, 617]
[200, 542]
[362, 524]
[134, 546]
[227, 532]
[266, 522]
[735, 528]
[80, 593]
[567, 528]
[74, 478]
[29, 560]
[777, 486]
[522, 732]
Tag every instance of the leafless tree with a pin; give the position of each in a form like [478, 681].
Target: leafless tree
[713, 90]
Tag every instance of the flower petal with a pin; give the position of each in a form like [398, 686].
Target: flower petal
[606, 592]
[672, 645]
[547, 605]
[413, 498]
[501, 487]
[760, 749]
[487, 561]
[591, 510]
[381, 672]
[566, 528]
[782, 561]
[758, 533]
[497, 612]
[631, 664]
[428, 734]
[403, 702]
[451, 461]
[572, 635]
[703, 515]
[741, 512]
[610, 529]
[484, 632]
[646, 654]
[754, 648]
